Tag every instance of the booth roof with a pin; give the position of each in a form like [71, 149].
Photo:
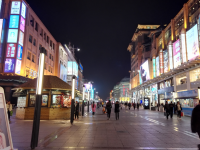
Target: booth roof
[49, 82]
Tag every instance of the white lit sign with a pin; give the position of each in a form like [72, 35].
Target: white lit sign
[23, 11]
[18, 66]
[12, 35]
[21, 38]
[157, 66]
[69, 68]
[15, 7]
[1, 25]
[170, 58]
[176, 53]
[183, 47]
[144, 71]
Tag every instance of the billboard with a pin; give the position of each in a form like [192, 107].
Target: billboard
[176, 53]
[21, 38]
[192, 43]
[170, 57]
[19, 52]
[14, 21]
[15, 7]
[92, 94]
[161, 62]
[23, 11]
[69, 68]
[75, 69]
[165, 56]
[18, 66]
[12, 35]
[144, 70]
[157, 66]
[22, 24]
[11, 50]
[63, 73]
[9, 65]
[154, 67]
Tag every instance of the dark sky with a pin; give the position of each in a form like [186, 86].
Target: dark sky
[102, 29]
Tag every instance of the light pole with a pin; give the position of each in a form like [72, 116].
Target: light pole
[39, 89]
[72, 102]
[83, 104]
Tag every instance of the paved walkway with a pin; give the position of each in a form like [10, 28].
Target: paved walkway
[143, 129]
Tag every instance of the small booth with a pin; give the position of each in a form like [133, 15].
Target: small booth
[56, 99]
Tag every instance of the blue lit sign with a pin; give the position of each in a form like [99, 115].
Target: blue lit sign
[92, 94]
[81, 67]
[19, 52]
[14, 21]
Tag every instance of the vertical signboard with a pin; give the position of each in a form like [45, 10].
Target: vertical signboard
[157, 66]
[11, 50]
[183, 48]
[144, 71]
[154, 67]
[161, 62]
[165, 55]
[63, 73]
[15, 7]
[5, 134]
[176, 53]
[170, 57]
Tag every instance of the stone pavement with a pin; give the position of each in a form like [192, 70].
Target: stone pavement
[143, 129]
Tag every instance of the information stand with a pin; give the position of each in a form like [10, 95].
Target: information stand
[5, 134]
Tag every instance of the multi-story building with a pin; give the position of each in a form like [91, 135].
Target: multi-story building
[173, 73]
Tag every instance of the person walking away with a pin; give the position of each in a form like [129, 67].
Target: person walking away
[9, 109]
[158, 105]
[108, 107]
[93, 108]
[171, 106]
[175, 109]
[117, 110]
[129, 106]
[167, 109]
[77, 110]
[138, 106]
[134, 105]
[195, 121]
[179, 108]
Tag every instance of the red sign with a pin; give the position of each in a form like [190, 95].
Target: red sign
[11, 50]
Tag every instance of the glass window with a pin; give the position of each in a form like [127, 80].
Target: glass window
[52, 58]
[61, 101]
[195, 75]
[181, 79]
[47, 39]
[29, 56]
[33, 58]
[56, 99]
[186, 102]
[32, 99]
[30, 38]
[34, 42]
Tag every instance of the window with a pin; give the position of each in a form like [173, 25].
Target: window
[34, 42]
[46, 53]
[32, 21]
[52, 58]
[47, 39]
[33, 58]
[29, 56]
[32, 99]
[50, 43]
[45, 36]
[41, 32]
[49, 69]
[49, 56]
[36, 26]
[40, 47]
[45, 66]
[30, 38]
[53, 46]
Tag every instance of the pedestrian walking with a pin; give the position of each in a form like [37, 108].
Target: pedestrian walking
[171, 106]
[129, 106]
[117, 110]
[158, 105]
[138, 105]
[9, 109]
[125, 105]
[134, 105]
[167, 109]
[195, 121]
[108, 107]
[93, 106]
[77, 110]
[179, 109]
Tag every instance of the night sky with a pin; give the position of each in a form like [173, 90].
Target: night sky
[102, 29]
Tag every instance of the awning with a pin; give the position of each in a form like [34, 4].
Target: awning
[185, 97]
[166, 98]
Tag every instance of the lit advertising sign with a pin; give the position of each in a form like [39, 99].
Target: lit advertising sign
[18, 66]
[14, 21]
[144, 70]
[154, 88]
[192, 43]
[11, 50]
[9, 65]
[170, 57]
[75, 69]
[154, 67]
[19, 52]
[69, 68]
[0, 4]
[183, 48]
[165, 55]
[63, 73]
[176, 53]
[23, 11]
[21, 38]
[12, 35]
[15, 7]
[157, 66]
[22, 24]
[161, 62]
[92, 94]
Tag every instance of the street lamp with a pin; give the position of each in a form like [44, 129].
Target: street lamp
[39, 89]
[83, 104]
[72, 102]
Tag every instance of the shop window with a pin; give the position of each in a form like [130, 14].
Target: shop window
[32, 99]
[61, 101]
[30, 38]
[29, 56]
[186, 102]
[34, 42]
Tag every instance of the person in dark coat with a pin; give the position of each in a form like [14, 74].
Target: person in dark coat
[134, 105]
[195, 121]
[76, 110]
[171, 106]
[167, 109]
[129, 106]
[108, 108]
[117, 110]
[138, 106]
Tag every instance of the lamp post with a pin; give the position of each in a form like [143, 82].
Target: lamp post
[72, 102]
[83, 104]
[39, 89]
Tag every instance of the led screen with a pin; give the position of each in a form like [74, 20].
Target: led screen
[11, 50]
[144, 70]
[22, 24]
[9, 65]
[18, 66]
[14, 21]
[15, 7]
[23, 11]
[69, 68]
[19, 52]
[21, 38]
[176, 53]
[165, 55]
[192, 43]
[157, 66]
[63, 73]
[12, 35]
